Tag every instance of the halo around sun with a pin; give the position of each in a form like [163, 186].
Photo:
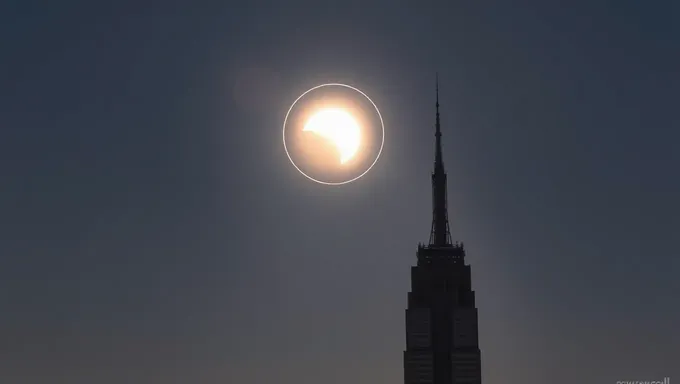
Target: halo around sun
[333, 129]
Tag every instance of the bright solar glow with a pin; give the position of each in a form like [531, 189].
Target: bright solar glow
[338, 126]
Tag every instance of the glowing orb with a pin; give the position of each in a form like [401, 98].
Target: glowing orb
[339, 127]
[333, 134]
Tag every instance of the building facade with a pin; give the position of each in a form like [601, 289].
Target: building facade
[442, 344]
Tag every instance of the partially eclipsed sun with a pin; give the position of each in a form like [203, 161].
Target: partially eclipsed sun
[339, 127]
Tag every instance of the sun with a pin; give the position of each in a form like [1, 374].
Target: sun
[338, 126]
[333, 134]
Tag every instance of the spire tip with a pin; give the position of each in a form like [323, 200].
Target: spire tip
[436, 76]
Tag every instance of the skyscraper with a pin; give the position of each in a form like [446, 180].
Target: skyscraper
[441, 319]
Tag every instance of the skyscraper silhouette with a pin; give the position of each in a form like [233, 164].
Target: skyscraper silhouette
[441, 319]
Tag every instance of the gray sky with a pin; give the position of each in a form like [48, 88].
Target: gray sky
[153, 230]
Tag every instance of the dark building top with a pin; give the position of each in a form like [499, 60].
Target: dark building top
[440, 235]
[441, 318]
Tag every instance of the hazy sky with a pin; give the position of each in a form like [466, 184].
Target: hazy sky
[153, 230]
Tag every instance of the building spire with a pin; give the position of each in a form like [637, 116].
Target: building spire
[438, 162]
[440, 235]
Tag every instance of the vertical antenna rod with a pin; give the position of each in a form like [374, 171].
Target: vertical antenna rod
[440, 235]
